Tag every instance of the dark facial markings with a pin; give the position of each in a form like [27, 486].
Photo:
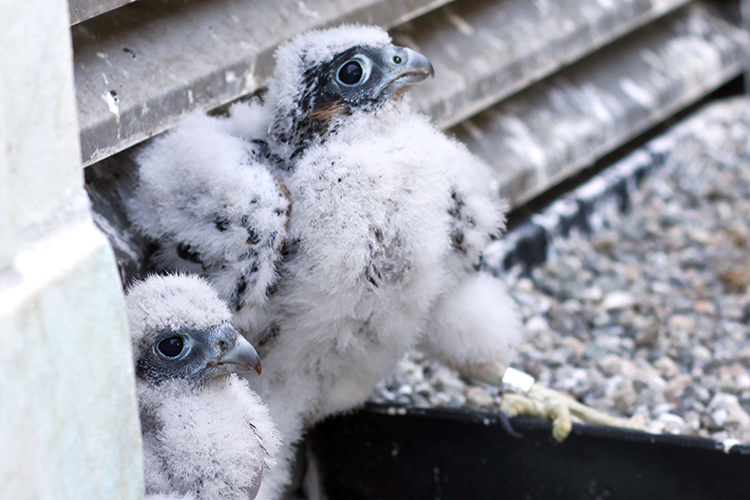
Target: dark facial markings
[348, 82]
[344, 80]
[167, 358]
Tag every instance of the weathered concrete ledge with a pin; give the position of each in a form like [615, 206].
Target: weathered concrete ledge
[485, 51]
[546, 133]
[69, 426]
[140, 68]
[68, 393]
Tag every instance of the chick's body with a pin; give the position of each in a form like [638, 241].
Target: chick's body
[386, 232]
[208, 204]
[204, 442]
[366, 268]
[206, 434]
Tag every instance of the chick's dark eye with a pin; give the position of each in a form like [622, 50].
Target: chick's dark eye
[171, 347]
[350, 73]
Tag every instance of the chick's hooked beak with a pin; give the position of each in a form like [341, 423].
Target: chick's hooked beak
[237, 354]
[405, 67]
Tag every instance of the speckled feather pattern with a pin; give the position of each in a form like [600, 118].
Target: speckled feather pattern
[210, 206]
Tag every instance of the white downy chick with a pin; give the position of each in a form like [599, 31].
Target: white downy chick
[208, 204]
[206, 434]
[390, 219]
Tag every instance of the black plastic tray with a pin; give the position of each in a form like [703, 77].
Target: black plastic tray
[413, 454]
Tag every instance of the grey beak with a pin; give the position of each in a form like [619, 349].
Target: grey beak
[417, 66]
[240, 356]
[405, 67]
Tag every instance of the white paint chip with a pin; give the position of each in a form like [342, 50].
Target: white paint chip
[113, 103]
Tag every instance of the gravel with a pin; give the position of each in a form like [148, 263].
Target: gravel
[650, 314]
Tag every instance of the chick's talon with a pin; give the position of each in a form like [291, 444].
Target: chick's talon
[504, 420]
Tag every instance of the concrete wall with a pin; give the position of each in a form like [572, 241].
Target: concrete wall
[68, 416]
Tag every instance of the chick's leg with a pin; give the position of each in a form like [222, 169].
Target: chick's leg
[476, 329]
[525, 397]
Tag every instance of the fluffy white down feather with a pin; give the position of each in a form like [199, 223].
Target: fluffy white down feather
[171, 301]
[214, 443]
[209, 442]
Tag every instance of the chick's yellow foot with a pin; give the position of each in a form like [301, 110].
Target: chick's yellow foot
[525, 397]
[540, 401]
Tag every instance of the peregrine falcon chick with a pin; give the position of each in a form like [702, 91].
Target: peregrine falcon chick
[206, 435]
[390, 219]
[208, 204]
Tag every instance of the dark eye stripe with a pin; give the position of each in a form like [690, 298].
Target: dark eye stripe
[350, 73]
[171, 347]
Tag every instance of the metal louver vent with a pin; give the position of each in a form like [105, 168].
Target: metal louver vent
[538, 89]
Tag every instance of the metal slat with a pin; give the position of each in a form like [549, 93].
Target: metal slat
[81, 10]
[550, 131]
[533, 139]
[142, 67]
[485, 51]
